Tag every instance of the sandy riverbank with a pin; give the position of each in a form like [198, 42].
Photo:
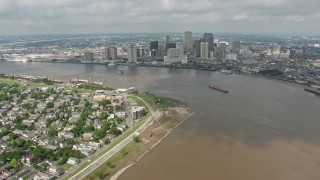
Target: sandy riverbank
[170, 119]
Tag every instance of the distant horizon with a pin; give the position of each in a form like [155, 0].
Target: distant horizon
[164, 33]
[36, 17]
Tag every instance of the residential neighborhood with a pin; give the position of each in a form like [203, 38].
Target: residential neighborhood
[44, 131]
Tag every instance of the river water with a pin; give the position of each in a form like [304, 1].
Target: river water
[262, 129]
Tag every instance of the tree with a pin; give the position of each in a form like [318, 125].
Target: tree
[49, 105]
[88, 128]
[136, 139]
[77, 131]
[52, 132]
[13, 163]
[70, 141]
[99, 134]
[104, 102]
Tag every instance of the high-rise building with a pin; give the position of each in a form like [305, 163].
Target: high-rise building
[235, 45]
[197, 47]
[113, 53]
[141, 50]
[204, 50]
[132, 54]
[88, 56]
[167, 39]
[208, 37]
[106, 53]
[188, 40]
[174, 52]
[154, 45]
[175, 55]
[171, 45]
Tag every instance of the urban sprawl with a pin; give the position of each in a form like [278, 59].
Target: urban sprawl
[46, 130]
[291, 58]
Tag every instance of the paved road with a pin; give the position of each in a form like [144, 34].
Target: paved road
[118, 147]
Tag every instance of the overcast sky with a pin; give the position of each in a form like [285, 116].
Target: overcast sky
[124, 16]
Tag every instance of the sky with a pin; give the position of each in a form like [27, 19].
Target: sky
[125, 16]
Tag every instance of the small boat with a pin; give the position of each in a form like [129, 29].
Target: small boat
[120, 71]
[218, 89]
[226, 71]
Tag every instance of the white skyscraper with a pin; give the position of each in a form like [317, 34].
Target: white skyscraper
[204, 48]
[132, 54]
[188, 40]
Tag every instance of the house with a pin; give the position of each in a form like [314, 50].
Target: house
[73, 119]
[44, 89]
[94, 145]
[54, 170]
[73, 161]
[98, 98]
[34, 117]
[121, 127]
[43, 176]
[18, 132]
[65, 134]
[121, 114]
[111, 117]
[27, 160]
[87, 136]
[29, 134]
[87, 152]
[27, 122]
[52, 147]
[23, 174]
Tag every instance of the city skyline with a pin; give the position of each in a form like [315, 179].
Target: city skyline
[97, 16]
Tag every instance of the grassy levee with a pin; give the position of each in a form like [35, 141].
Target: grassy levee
[127, 134]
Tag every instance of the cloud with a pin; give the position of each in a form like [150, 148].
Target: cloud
[102, 16]
[241, 17]
[294, 18]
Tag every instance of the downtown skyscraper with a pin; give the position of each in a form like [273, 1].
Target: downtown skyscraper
[188, 40]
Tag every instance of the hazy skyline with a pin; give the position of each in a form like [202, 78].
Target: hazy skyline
[125, 16]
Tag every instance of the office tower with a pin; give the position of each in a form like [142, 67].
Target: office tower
[175, 55]
[141, 50]
[235, 45]
[170, 45]
[159, 53]
[88, 56]
[204, 50]
[154, 45]
[132, 54]
[208, 37]
[106, 53]
[197, 47]
[188, 40]
[167, 39]
[113, 53]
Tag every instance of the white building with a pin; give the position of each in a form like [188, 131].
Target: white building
[231, 56]
[132, 54]
[204, 48]
[73, 161]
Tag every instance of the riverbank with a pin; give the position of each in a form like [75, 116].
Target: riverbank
[170, 118]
